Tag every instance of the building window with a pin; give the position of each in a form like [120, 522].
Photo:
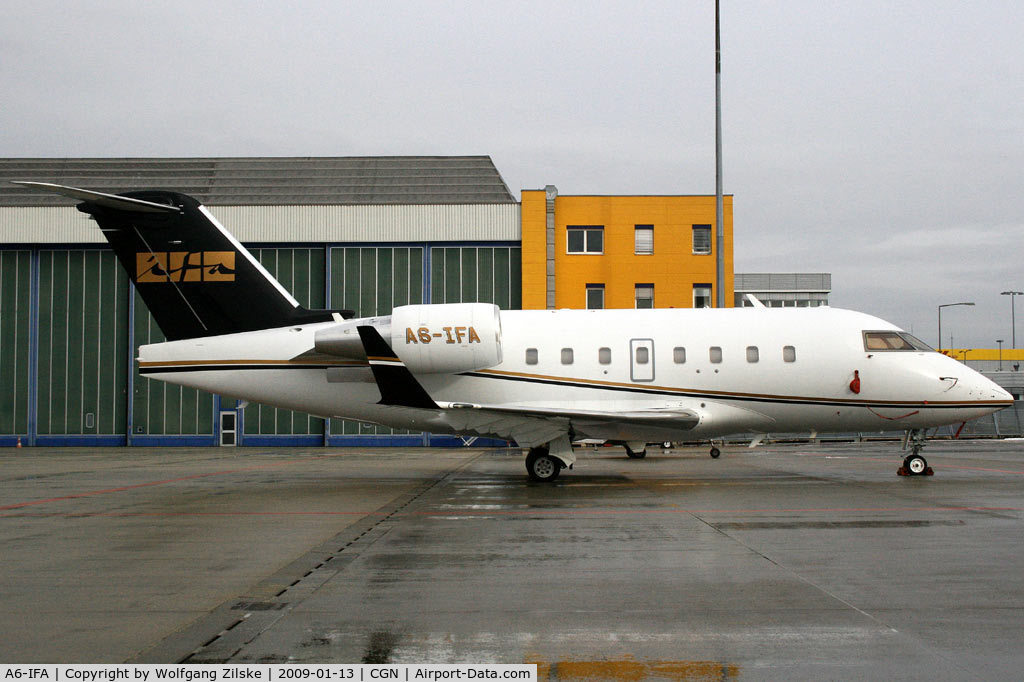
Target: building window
[644, 295]
[643, 239]
[531, 356]
[679, 355]
[567, 356]
[595, 296]
[584, 239]
[753, 355]
[788, 354]
[715, 354]
[701, 239]
[701, 295]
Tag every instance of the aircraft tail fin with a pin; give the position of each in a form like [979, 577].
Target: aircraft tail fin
[195, 277]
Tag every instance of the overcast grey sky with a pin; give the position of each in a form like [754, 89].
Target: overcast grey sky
[880, 141]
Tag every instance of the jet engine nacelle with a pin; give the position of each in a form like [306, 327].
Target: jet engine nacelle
[447, 337]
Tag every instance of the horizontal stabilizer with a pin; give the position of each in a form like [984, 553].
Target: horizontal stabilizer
[112, 201]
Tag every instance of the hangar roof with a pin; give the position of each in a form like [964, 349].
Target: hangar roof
[269, 181]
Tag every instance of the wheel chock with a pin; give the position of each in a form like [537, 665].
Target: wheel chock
[903, 471]
[928, 471]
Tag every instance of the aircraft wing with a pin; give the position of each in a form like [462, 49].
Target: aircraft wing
[667, 418]
[535, 425]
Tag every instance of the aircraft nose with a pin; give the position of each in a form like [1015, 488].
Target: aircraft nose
[983, 388]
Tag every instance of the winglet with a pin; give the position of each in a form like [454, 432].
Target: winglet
[396, 383]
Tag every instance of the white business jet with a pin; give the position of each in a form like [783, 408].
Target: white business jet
[543, 378]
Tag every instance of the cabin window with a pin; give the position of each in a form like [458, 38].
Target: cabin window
[679, 355]
[531, 356]
[643, 355]
[567, 356]
[890, 340]
[752, 354]
[715, 354]
[788, 354]
[604, 356]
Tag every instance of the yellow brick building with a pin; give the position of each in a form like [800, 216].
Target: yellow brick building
[621, 251]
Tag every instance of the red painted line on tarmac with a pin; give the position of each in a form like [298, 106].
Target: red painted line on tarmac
[998, 471]
[120, 515]
[966, 468]
[91, 493]
[889, 461]
[599, 512]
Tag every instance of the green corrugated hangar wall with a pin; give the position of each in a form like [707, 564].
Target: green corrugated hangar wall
[70, 326]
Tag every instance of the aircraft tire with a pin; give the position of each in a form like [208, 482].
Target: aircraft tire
[715, 452]
[915, 465]
[541, 466]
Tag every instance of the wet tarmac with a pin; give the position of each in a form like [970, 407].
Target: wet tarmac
[785, 561]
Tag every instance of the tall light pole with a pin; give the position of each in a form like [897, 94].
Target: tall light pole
[1013, 317]
[719, 212]
[947, 305]
[1000, 342]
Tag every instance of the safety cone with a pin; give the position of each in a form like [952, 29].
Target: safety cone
[19, 442]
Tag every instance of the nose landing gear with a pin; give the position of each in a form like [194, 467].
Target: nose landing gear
[914, 464]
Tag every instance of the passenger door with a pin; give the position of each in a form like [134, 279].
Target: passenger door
[641, 359]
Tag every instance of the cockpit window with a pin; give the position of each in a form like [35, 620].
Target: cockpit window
[916, 342]
[890, 340]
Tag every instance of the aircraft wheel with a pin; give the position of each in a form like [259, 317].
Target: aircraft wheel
[541, 466]
[635, 454]
[715, 452]
[915, 465]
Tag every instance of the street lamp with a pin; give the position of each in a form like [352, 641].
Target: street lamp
[1000, 342]
[947, 305]
[1013, 318]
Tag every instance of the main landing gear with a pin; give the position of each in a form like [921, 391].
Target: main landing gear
[541, 466]
[545, 462]
[636, 450]
[914, 464]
